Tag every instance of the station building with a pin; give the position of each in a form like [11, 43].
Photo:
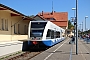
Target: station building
[13, 24]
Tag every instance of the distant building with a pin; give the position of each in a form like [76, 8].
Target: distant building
[59, 18]
[40, 18]
[69, 32]
[13, 24]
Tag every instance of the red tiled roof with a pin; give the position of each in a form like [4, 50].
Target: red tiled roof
[61, 23]
[61, 18]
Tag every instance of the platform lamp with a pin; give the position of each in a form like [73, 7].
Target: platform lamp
[85, 22]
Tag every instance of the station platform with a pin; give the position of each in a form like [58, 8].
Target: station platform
[10, 47]
[66, 51]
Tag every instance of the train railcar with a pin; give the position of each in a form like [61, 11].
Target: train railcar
[44, 34]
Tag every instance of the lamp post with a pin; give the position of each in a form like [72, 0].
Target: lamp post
[85, 22]
[76, 27]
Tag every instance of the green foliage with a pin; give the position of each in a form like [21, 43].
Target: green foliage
[31, 16]
[87, 32]
[70, 25]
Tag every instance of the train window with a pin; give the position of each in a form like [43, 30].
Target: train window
[38, 24]
[57, 34]
[52, 34]
[48, 33]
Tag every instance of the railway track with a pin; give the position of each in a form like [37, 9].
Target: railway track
[21, 56]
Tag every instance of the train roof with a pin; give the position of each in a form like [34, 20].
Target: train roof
[49, 22]
[38, 21]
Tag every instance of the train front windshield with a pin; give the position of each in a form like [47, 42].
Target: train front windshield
[36, 33]
[37, 29]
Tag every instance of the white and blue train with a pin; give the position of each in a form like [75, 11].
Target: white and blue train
[44, 33]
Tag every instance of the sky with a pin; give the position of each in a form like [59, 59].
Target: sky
[33, 7]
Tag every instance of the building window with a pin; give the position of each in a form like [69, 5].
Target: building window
[18, 28]
[25, 30]
[0, 24]
[15, 29]
[48, 18]
[4, 24]
[7, 24]
[68, 32]
[52, 19]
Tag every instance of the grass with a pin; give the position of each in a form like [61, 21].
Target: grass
[10, 55]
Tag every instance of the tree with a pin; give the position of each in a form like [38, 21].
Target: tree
[31, 16]
[70, 25]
